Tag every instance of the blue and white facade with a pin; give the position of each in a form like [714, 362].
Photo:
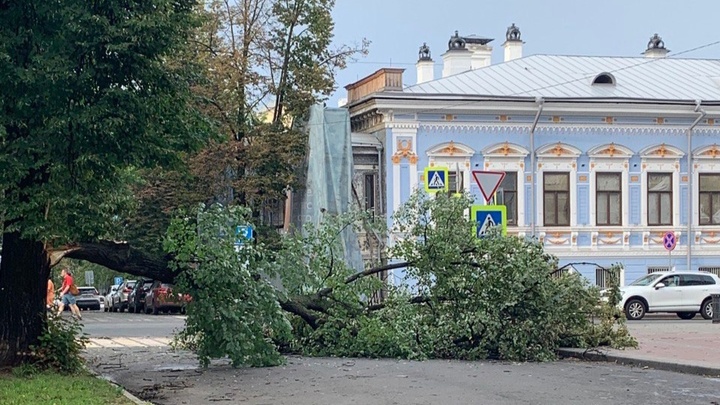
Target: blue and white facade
[603, 155]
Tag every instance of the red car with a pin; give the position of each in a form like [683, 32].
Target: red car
[161, 298]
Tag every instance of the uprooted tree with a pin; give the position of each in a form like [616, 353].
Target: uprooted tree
[462, 297]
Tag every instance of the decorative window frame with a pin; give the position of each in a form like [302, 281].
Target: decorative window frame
[404, 141]
[610, 158]
[557, 157]
[453, 155]
[660, 158]
[706, 159]
[509, 157]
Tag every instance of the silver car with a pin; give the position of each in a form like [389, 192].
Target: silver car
[109, 297]
[120, 298]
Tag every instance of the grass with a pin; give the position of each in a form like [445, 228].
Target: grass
[57, 389]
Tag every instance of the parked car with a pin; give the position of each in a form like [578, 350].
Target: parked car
[161, 298]
[120, 298]
[136, 299]
[683, 292]
[108, 297]
[89, 298]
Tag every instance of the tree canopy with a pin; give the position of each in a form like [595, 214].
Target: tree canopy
[88, 98]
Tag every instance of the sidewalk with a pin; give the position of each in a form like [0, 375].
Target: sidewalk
[683, 346]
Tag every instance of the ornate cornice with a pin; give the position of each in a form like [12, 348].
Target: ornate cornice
[553, 128]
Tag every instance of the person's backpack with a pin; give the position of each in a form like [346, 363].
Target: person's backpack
[73, 289]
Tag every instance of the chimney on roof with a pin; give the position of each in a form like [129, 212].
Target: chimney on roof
[656, 48]
[481, 51]
[513, 44]
[458, 58]
[425, 65]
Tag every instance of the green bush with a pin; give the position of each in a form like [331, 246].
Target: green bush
[467, 298]
[60, 346]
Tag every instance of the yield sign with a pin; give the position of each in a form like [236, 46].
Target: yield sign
[488, 182]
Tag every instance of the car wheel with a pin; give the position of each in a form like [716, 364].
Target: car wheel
[131, 309]
[183, 310]
[686, 315]
[106, 309]
[706, 310]
[155, 310]
[635, 310]
[121, 308]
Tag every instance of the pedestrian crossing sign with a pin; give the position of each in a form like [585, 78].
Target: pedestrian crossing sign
[436, 179]
[487, 217]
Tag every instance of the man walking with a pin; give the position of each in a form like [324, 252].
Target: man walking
[67, 297]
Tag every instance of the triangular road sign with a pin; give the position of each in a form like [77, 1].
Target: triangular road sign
[488, 182]
[436, 181]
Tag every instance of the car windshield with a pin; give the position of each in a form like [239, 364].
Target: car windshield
[646, 280]
[87, 291]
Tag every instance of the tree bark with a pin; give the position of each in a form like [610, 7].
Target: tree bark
[24, 271]
[124, 258]
[120, 257]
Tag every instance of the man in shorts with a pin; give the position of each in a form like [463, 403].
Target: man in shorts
[67, 298]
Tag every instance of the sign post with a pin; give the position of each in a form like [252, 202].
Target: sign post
[436, 179]
[669, 242]
[488, 182]
[89, 278]
[487, 217]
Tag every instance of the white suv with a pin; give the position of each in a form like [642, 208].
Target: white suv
[684, 292]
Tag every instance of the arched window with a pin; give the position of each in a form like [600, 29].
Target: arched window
[509, 158]
[604, 78]
[609, 168]
[557, 182]
[456, 157]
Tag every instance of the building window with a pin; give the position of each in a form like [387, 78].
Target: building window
[456, 182]
[507, 195]
[709, 199]
[369, 192]
[659, 199]
[608, 197]
[556, 192]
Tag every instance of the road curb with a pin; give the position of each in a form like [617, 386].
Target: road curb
[599, 355]
[126, 393]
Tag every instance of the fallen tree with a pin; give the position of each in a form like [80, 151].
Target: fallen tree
[465, 298]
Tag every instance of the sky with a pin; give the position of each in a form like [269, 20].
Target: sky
[397, 28]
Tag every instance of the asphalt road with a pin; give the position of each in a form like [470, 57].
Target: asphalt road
[123, 324]
[153, 372]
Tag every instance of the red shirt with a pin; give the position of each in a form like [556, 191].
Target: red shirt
[67, 282]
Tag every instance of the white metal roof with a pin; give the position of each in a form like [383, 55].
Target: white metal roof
[554, 76]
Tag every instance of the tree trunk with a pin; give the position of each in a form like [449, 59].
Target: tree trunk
[24, 271]
[119, 257]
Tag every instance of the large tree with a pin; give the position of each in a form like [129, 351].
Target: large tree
[266, 62]
[87, 99]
